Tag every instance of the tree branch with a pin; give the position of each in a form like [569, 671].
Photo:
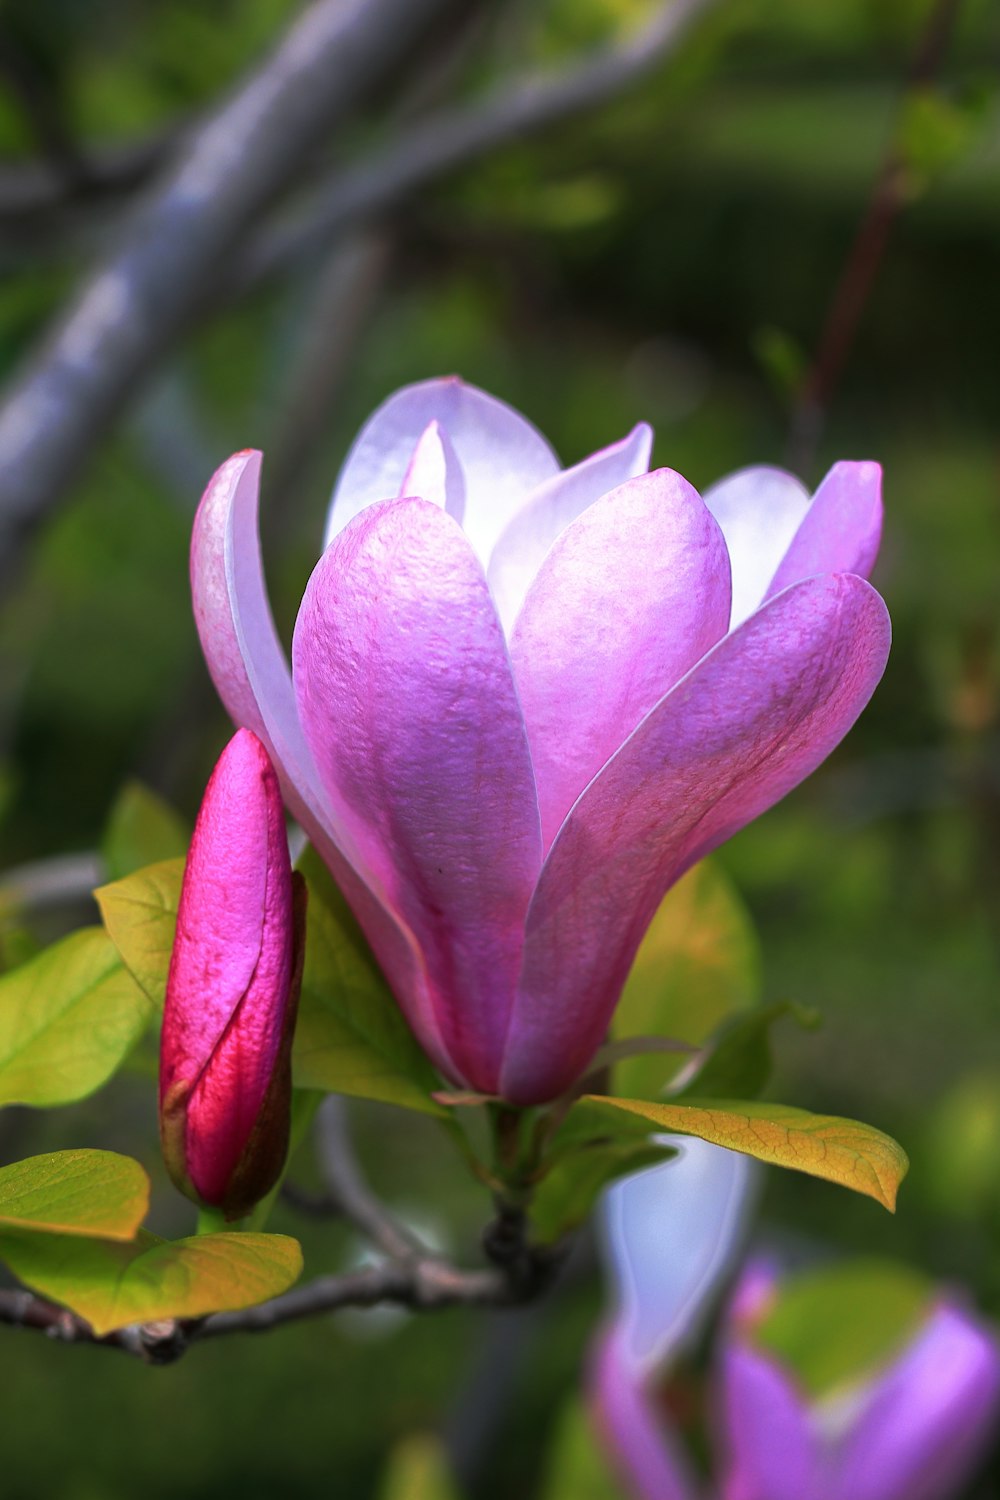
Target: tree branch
[350, 1195]
[452, 138]
[182, 241]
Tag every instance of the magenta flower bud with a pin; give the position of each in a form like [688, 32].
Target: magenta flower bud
[525, 699]
[232, 991]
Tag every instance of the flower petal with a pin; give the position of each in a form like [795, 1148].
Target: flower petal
[502, 456]
[406, 694]
[759, 509]
[630, 596]
[249, 669]
[769, 1451]
[548, 510]
[841, 530]
[670, 1234]
[747, 724]
[928, 1416]
[435, 474]
[636, 1434]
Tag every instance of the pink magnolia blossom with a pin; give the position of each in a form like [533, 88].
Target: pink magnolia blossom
[911, 1429]
[525, 699]
[232, 991]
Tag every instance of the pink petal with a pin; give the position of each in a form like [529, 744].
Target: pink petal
[249, 669]
[231, 967]
[747, 724]
[759, 509]
[502, 456]
[435, 474]
[546, 512]
[769, 1451]
[406, 693]
[928, 1417]
[630, 596]
[636, 1435]
[841, 530]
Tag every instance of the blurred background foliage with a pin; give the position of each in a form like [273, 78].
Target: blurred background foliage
[672, 257]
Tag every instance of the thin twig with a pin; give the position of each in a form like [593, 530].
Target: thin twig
[513, 110]
[349, 1191]
[180, 246]
[864, 259]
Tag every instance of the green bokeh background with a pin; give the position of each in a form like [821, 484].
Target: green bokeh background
[670, 258]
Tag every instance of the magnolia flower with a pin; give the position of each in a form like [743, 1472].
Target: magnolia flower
[525, 699]
[232, 991]
[910, 1428]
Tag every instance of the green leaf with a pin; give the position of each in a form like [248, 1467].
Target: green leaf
[142, 829]
[351, 1037]
[856, 1156]
[838, 1325]
[697, 965]
[566, 1195]
[67, 1019]
[418, 1470]
[140, 916]
[113, 1284]
[96, 1193]
[739, 1064]
[576, 1468]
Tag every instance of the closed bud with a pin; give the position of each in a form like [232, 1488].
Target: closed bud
[232, 991]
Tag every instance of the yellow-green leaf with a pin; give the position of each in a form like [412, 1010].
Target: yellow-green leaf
[845, 1151]
[113, 1284]
[142, 829]
[90, 1193]
[697, 965]
[351, 1037]
[140, 915]
[67, 1019]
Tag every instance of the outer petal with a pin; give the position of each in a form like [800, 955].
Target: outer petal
[249, 669]
[769, 1451]
[631, 595]
[759, 509]
[670, 1234]
[841, 530]
[502, 456]
[927, 1418]
[546, 512]
[636, 1435]
[406, 693]
[750, 722]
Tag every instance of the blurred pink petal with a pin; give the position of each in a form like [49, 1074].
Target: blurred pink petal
[927, 1418]
[769, 1451]
[635, 1432]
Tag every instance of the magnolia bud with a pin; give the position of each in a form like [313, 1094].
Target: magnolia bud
[232, 991]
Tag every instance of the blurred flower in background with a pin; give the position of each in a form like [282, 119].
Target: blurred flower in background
[855, 1382]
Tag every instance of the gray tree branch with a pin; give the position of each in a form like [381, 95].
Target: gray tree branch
[513, 110]
[185, 237]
